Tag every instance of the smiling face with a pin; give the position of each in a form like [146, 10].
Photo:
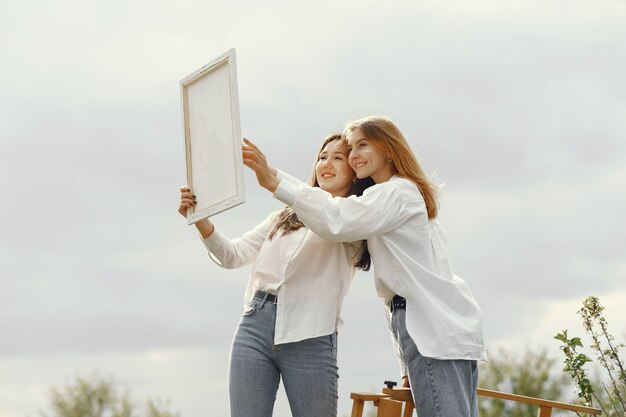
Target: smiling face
[332, 169]
[367, 159]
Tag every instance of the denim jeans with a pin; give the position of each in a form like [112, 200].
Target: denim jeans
[308, 368]
[440, 388]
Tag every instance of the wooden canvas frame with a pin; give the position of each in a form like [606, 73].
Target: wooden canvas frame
[212, 133]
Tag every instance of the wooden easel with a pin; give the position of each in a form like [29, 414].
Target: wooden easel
[398, 402]
[391, 402]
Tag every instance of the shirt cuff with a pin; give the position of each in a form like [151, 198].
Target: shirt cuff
[214, 241]
[280, 174]
[214, 244]
[286, 192]
[284, 176]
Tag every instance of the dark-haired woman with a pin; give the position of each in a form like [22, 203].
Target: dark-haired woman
[293, 299]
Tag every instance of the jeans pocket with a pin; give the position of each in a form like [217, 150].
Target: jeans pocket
[408, 348]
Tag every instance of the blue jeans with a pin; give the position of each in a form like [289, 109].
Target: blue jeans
[308, 368]
[440, 388]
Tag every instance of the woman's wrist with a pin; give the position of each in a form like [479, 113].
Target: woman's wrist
[205, 227]
[272, 184]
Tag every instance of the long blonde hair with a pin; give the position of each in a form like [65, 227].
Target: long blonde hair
[384, 134]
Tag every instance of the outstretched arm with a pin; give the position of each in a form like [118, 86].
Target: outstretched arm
[187, 200]
[227, 253]
[380, 209]
[254, 159]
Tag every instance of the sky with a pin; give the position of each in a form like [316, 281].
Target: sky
[517, 107]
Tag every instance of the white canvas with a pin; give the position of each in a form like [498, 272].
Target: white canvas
[213, 137]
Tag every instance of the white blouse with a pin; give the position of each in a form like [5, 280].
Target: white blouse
[409, 256]
[310, 275]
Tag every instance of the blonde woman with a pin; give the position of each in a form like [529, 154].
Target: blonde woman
[293, 301]
[433, 315]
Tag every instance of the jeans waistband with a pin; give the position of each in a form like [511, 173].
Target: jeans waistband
[266, 297]
[397, 303]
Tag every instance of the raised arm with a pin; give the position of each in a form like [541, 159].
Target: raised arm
[254, 159]
[381, 208]
[187, 200]
[227, 253]
[234, 253]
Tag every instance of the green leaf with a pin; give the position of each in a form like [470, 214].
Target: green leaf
[562, 336]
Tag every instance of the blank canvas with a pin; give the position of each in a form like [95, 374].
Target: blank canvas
[212, 133]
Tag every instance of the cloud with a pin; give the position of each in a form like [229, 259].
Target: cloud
[518, 106]
[559, 315]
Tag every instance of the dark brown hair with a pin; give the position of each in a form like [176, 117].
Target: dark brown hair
[288, 220]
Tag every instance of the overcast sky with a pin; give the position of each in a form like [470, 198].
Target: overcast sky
[519, 107]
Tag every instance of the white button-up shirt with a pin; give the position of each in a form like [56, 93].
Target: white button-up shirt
[409, 255]
[310, 275]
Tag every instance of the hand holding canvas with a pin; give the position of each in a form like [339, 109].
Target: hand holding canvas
[254, 159]
[187, 200]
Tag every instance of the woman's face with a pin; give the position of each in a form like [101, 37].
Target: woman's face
[366, 159]
[332, 169]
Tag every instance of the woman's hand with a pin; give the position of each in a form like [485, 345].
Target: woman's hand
[405, 382]
[254, 159]
[187, 199]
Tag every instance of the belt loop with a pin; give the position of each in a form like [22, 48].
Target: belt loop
[264, 300]
[397, 302]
